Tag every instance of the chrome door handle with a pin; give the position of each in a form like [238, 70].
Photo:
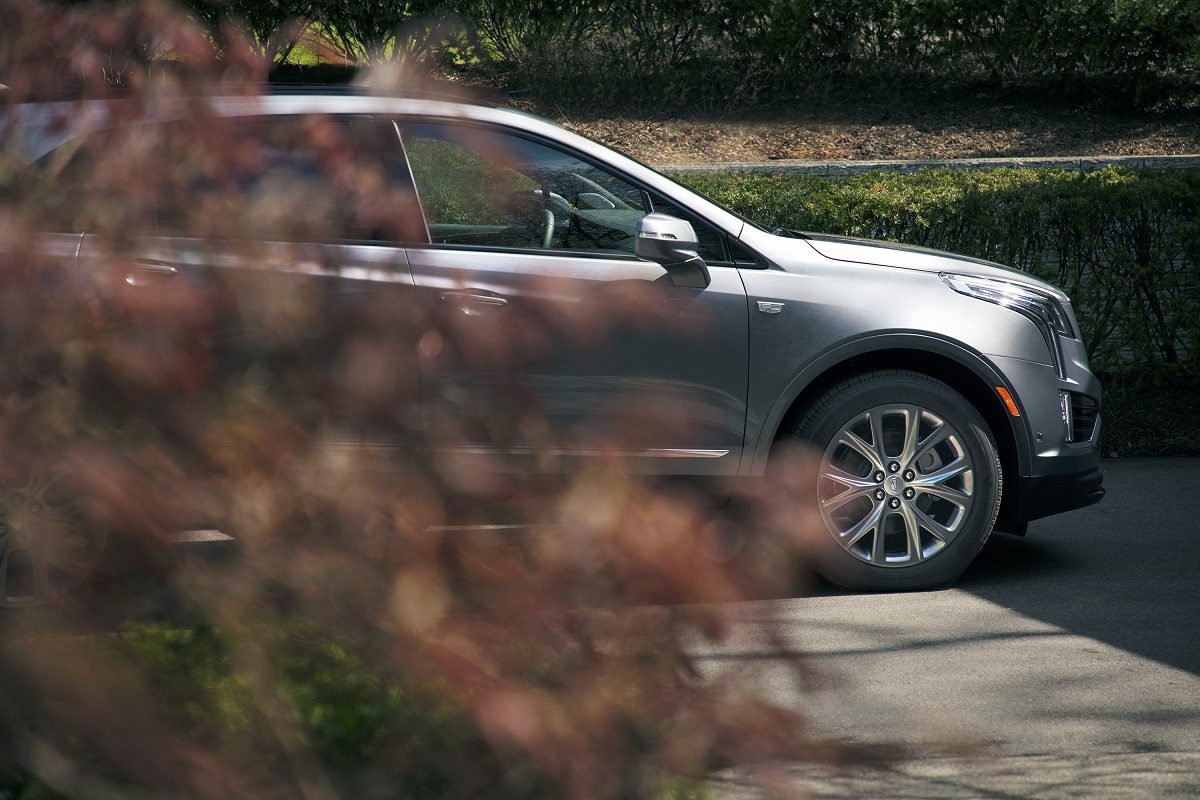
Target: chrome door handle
[474, 305]
[144, 273]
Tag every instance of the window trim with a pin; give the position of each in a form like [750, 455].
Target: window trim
[533, 251]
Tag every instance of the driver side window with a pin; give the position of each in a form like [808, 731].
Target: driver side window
[482, 187]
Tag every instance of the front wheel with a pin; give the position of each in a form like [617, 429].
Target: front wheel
[909, 481]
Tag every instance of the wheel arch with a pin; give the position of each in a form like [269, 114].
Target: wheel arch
[964, 370]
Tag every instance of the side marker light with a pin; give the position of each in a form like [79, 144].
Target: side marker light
[1008, 401]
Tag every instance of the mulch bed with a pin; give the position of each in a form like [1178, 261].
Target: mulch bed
[902, 130]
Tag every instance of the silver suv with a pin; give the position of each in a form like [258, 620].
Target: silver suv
[944, 396]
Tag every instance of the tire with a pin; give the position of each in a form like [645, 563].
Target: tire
[47, 544]
[904, 455]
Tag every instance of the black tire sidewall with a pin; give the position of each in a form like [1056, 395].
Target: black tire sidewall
[854, 397]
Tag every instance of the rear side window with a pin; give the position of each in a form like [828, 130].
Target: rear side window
[72, 187]
[296, 178]
[313, 178]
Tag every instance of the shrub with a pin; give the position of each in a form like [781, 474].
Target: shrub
[718, 54]
[362, 644]
[636, 53]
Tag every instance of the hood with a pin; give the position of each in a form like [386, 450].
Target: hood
[925, 259]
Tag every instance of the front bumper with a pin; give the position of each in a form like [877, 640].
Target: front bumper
[1055, 475]
[1053, 494]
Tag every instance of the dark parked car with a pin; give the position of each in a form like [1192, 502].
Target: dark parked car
[945, 396]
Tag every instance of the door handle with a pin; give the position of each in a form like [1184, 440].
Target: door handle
[144, 273]
[474, 305]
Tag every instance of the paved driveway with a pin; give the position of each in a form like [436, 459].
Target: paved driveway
[1070, 656]
[1067, 661]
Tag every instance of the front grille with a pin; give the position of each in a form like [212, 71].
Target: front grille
[1084, 413]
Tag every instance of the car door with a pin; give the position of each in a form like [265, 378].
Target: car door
[548, 338]
[276, 273]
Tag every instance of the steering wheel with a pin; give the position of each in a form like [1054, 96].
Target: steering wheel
[548, 236]
[548, 217]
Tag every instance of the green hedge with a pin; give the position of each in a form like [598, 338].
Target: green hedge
[717, 53]
[1138, 49]
[705, 52]
[1125, 245]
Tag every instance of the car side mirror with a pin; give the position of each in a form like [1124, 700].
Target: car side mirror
[672, 242]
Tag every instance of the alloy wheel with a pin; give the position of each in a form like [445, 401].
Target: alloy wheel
[896, 485]
[45, 541]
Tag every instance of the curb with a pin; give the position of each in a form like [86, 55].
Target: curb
[848, 167]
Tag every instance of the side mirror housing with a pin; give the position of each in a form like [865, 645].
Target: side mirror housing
[672, 242]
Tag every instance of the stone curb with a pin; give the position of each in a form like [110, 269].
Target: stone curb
[847, 167]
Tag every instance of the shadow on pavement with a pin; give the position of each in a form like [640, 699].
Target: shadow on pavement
[1125, 572]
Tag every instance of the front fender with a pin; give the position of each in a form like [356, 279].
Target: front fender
[878, 345]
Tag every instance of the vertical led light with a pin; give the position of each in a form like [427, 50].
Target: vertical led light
[1064, 406]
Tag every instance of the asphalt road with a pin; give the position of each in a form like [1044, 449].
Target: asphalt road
[1069, 657]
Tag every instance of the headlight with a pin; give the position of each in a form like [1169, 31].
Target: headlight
[1042, 308]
